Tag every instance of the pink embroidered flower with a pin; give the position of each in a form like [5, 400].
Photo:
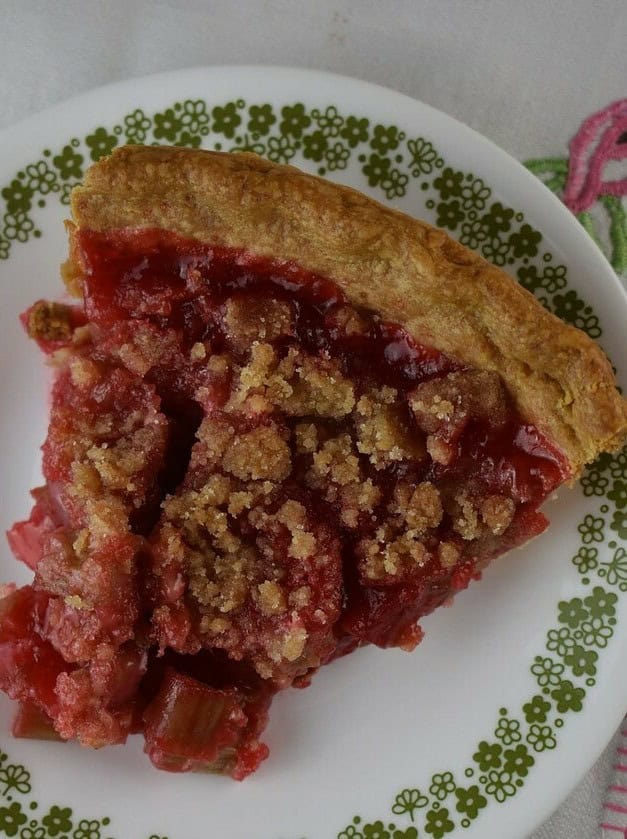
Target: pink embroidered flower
[601, 138]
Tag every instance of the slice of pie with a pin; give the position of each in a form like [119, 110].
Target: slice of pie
[286, 422]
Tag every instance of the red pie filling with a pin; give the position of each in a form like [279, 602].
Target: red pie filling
[246, 476]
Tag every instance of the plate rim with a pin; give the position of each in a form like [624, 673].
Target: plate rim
[606, 273]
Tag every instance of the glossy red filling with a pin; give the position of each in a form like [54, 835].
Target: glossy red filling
[153, 500]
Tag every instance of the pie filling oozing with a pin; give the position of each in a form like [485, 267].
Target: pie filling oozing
[246, 477]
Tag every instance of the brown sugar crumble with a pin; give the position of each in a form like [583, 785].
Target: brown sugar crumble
[48, 321]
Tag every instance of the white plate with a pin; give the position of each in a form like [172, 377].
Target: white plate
[380, 738]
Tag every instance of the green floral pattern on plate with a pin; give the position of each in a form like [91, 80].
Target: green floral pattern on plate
[562, 674]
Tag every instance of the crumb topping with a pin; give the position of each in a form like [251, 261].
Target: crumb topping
[258, 454]
[388, 557]
[466, 518]
[444, 406]
[497, 512]
[262, 320]
[48, 321]
[381, 432]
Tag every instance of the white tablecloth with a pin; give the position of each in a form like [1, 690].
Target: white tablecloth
[523, 72]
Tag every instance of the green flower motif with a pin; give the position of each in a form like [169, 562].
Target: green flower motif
[604, 462]
[226, 119]
[568, 697]
[33, 832]
[69, 163]
[18, 226]
[350, 832]
[188, 140]
[355, 131]
[377, 169]
[470, 801]
[329, 122]
[408, 801]
[619, 523]
[261, 119]
[572, 612]
[336, 157]
[438, 823]
[618, 494]
[601, 603]
[588, 322]
[449, 184]
[475, 194]
[15, 777]
[582, 662]
[12, 818]
[507, 731]
[314, 146]
[4, 249]
[280, 149]
[500, 785]
[87, 829]
[551, 280]
[101, 143]
[496, 251]
[595, 633]
[385, 138]
[615, 571]
[554, 278]
[618, 465]
[548, 673]
[376, 830]
[541, 737]
[594, 482]
[568, 306]
[560, 641]
[136, 126]
[449, 214]
[410, 833]
[194, 117]
[497, 220]
[473, 234]
[442, 785]
[529, 278]
[525, 242]
[167, 125]
[295, 120]
[395, 185]
[66, 191]
[18, 197]
[423, 156]
[488, 756]
[591, 529]
[518, 761]
[41, 178]
[58, 820]
[536, 710]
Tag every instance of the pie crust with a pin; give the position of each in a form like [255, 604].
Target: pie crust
[442, 293]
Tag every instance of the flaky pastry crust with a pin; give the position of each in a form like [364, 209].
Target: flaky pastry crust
[445, 295]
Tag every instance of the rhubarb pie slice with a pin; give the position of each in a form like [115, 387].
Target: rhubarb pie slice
[286, 422]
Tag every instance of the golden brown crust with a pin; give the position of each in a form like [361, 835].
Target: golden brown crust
[442, 293]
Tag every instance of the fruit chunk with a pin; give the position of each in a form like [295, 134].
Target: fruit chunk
[31, 723]
[192, 727]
